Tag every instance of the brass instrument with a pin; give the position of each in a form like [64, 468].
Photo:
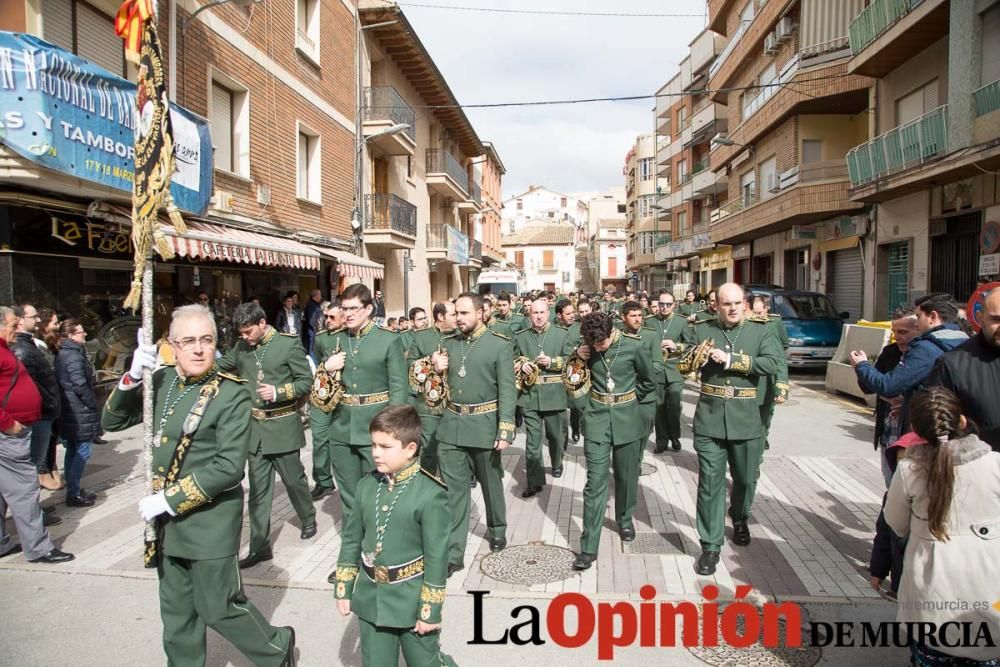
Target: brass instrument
[524, 379]
[695, 357]
[327, 388]
[576, 376]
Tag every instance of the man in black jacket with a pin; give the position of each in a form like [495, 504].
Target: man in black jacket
[972, 371]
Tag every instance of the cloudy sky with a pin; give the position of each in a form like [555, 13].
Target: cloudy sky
[491, 57]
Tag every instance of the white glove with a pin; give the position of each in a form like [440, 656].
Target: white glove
[144, 357]
[153, 506]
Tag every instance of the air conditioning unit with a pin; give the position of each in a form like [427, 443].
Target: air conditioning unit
[222, 201]
[773, 184]
[770, 44]
[784, 29]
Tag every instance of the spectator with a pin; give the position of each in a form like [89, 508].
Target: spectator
[20, 407]
[47, 340]
[403, 324]
[312, 319]
[289, 317]
[972, 371]
[379, 306]
[944, 499]
[390, 324]
[938, 333]
[80, 421]
[42, 374]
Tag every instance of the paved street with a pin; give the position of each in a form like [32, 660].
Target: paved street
[817, 500]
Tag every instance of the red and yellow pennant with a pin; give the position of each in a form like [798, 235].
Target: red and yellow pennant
[129, 25]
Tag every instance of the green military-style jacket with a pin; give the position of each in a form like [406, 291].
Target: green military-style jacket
[672, 328]
[406, 338]
[281, 359]
[685, 309]
[374, 377]
[548, 394]
[425, 343]
[705, 316]
[393, 562]
[728, 405]
[207, 497]
[515, 321]
[634, 386]
[481, 404]
[651, 341]
[501, 327]
[777, 384]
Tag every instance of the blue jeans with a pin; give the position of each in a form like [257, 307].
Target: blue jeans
[77, 455]
[41, 431]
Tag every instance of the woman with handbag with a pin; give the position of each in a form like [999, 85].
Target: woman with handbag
[80, 422]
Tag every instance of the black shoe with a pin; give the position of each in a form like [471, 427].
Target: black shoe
[254, 558]
[557, 472]
[320, 492]
[87, 494]
[332, 577]
[767, 445]
[54, 556]
[289, 659]
[79, 501]
[16, 550]
[584, 561]
[51, 520]
[707, 562]
[675, 444]
[48, 510]
[308, 531]
[741, 534]
[575, 437]
[453, 568]
[473, 483]
[531, 491]
[498, 544]
[99, 441]
[660, 448]
[627, 534]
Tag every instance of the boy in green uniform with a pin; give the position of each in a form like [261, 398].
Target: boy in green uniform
[670, 328]
[727, 424]
[393, 563]
[425, 343]
[277, 374]
[505, 313]
[622, 380]
[689, 306]
[545, 347]
[202, 437]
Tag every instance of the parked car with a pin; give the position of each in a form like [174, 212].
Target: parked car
[814, 326]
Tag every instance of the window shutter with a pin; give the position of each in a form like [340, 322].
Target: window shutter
[96, 40]
[222, 127]
[57, 22]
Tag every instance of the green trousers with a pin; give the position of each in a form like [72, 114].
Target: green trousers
[456, 471]
[262, 466]
[550, 426]
[350, 464]
[668, 415]
[199, 594]
[380, 647]
[624, 461]
[322, 448]
[743, 457]
[429, 444]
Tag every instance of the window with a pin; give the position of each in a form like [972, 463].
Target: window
[645, 203]
[520, 205]
[769, 178]
[612, 266]
[562, 202]
[812, 150]
[307, 29]
[548, 259]
[78, 27]
[646, 169]
[229, 119]
[917, 103]
[621, 208]
[519, 259]
[309, 165]
[682, 223]
[682, 168]
[748, 188]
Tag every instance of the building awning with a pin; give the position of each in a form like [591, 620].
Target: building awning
[210, 242]
[352, 265]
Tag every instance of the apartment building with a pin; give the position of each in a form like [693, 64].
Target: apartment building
[606, 205]
[541, 203]
[277, 88]
[545, 253]
[641, 222]
[491, 217]
[929, 169]
[608, 256]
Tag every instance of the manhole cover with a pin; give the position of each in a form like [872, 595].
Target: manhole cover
[669, 544]
[752, 656]
[529, 564]
[646, 469]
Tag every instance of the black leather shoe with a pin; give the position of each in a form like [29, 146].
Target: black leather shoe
[308, 531]
[675, 444]
[530, 492]
[660, 448]
[453, 568]
[16, 550]
[54, 556]
[320, 492]
[627, 534]
[79, 501]
[741, 534]
[498, 544]
[254, 558]
[557, 472]
[289, 659]
[584, 561]
[84, 493]
[707, 562]
[51, 520]
[472, 484]
[575, 437]
[99, 441]
[332, 577]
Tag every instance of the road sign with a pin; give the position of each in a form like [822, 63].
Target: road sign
[974, 309]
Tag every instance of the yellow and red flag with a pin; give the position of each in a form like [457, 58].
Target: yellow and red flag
[129, 23]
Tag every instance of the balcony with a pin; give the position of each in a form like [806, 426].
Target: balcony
[753, 104]
[447, 244]
[729, 48]
[987, 98]
[390, 222]
[707, 182]
[382, 108]
[446, 176]
[475, 252]
[909, 144]
[888, 33]
[986, 124]
[474, 202]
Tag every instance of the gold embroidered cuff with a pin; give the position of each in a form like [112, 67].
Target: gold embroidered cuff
[740, 362]
[432, 594]
[505, 432]
[346, 574]
[191, 495]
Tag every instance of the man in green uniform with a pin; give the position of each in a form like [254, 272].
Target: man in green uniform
[477, 424]
[277, 374]
[425, 343]
[505, 313]
[633, 322]
[418, 320]
[202, 436]
[727, 424]
[622, 380]
[543, 346]
[492, 323]
[773, 388]
[689, 306]
[583, 308]
[711, 311]
[319, 420]
[671, 329]
[393, 563]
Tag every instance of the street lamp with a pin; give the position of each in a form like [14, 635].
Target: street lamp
[723, 140]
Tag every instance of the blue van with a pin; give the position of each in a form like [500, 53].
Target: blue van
[813, 325]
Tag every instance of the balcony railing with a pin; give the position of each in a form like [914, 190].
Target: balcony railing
[662, 240]
[905, 146]
[385, 103]
[721, 58]
[475, 192]
[437, 237]
[987, 98]
[475, 250]
[767, 91]
[700, 165]
[875, 19]
[440, 161]
[391, 212]
[747, 199]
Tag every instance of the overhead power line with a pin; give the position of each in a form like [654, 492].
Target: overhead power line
[550, 12]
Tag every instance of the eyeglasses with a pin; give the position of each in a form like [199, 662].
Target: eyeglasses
[666, 304]
[352, 309]
[330, 317]
[188, 344]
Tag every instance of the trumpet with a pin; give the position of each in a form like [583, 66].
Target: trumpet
[695, 357]
[525, 379]
[576, 376]
[327, 388]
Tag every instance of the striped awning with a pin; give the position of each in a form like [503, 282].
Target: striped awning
[217, 243]
[352, 265]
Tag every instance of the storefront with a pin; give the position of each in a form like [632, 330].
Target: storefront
[716, 267]
[741, 264]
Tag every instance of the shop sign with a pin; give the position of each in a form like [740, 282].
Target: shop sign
[69, 115]
[95, 237]
[702, 240]
[225, 252]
